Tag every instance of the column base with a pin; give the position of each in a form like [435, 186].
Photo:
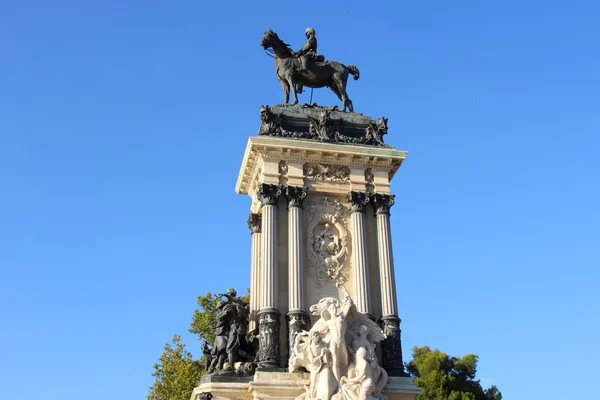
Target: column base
[392, 346]
[268, 344]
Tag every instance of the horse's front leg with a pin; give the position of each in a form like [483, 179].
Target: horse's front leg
[286, 91]
[293, 88]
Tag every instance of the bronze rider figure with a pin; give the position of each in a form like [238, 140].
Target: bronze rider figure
[309, 51]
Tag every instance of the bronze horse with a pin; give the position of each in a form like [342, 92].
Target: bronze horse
[332, 74]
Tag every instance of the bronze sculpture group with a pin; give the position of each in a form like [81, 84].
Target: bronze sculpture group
[231, 343]
[324, 127]
[306, 68]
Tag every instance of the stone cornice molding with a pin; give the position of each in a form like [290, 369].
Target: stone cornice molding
[261, 149]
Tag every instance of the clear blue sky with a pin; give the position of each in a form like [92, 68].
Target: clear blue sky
[123, 125]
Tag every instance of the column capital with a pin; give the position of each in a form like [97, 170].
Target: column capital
[359, 201]
[254, 222]
[383, 203]
[296, 195]
[268, 194]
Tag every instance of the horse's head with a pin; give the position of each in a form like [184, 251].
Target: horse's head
[280, 48]
[324, 305]
[267, 39]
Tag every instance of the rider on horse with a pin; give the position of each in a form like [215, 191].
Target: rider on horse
[309, 51]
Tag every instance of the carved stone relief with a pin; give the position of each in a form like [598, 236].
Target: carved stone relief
[326, 173]
[328, 251]
[369, 180]
[283, 168]
[369, 177]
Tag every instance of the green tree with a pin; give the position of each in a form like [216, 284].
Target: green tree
[204, 318]
[176, 373]
[447, 378]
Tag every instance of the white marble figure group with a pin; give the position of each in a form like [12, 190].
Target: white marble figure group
[339, 354]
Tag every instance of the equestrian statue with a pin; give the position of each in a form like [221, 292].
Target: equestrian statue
[305, 68]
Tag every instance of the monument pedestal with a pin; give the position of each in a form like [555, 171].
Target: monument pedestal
[319, 181]
[400, 388]
[269, 385]
[223, 387]
[277, 385]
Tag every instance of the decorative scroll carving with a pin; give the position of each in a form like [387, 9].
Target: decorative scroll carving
[383, 203]
[295, 195]
[269, 193]
[392, 346]
[324, 128]
[326, 173]
[359, 201]
[254, 222]
[283, 168]
[268, 345]
[328, 244]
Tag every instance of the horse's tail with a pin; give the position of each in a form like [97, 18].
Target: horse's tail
[354, 71]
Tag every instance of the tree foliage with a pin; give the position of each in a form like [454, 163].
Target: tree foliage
[447, 378]
[176, 373]
[204, 318]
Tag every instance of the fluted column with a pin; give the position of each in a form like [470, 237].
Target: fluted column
[383, 203]
[297, 317]
[254, 224]
[268, 316]
[392, 345]
[362, 295]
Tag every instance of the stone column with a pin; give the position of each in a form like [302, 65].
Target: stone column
[362, 296]
[268, 316]
[392, 345]
[254, 224]
[297, 318]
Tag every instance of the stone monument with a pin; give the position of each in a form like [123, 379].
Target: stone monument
[323, 305]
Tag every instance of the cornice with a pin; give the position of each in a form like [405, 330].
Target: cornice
[262, 149]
